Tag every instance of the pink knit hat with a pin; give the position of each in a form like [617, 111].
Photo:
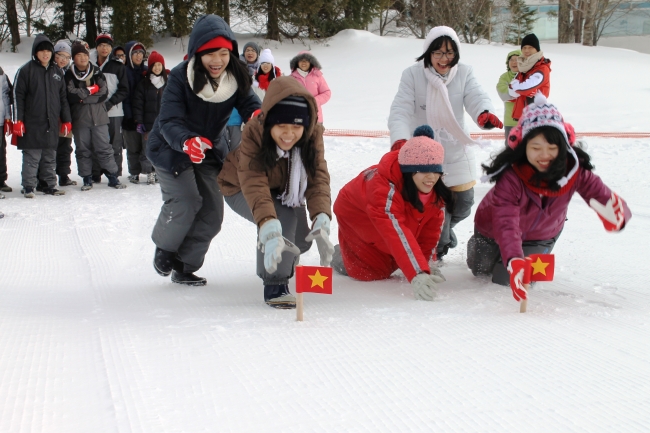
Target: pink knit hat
[421, 153]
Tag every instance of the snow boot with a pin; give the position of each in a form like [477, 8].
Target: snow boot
[41, 186]
[134, 178]
[279, 296]
[114, 182]
[29, 192]
[151, 179]
[88, 183]
[64, 180]
[53, 191]
[187, 278]
[5, 188]
[97, 178]
[163, 261]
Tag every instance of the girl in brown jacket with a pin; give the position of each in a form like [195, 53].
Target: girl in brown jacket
[277, 174]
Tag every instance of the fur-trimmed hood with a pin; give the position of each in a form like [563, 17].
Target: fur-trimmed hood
[304, 55]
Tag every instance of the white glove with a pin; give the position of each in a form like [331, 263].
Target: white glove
[436, 271]
[272, 243]
[424, 286]
[320, 233]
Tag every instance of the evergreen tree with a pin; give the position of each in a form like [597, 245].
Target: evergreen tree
[522, 20]
[132, 20]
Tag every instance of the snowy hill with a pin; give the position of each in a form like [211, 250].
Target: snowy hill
[93, 340]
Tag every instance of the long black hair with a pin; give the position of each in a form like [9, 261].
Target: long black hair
[235, 67]
[556, 170]
[267, 157]
[410, 191]
[435, 46]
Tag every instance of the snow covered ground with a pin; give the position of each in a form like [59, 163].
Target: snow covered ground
[93, 340]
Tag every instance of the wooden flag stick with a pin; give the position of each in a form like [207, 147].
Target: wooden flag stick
[299, 307]
[527, 275]
[524, 302]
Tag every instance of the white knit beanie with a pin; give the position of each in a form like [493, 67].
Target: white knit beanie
[436, 32]
[267, 57]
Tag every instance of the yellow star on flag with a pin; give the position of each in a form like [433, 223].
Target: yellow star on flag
[539, 267]
[317, 279]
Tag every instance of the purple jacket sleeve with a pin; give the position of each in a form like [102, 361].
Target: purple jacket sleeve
[589, 186]
[506, 208]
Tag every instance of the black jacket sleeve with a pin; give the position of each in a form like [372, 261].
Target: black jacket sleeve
[138, 101]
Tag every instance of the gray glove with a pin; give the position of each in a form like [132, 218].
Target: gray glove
[424, 286]
[436, 271]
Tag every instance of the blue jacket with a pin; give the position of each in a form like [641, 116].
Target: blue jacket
[184, 115]
[134, 75]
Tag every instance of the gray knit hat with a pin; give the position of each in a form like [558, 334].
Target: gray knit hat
[62, 46]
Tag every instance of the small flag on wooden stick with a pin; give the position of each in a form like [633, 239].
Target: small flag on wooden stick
[314, 279]
[539, 267]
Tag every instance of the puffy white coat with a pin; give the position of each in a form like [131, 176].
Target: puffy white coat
[5, 101]
[408, 111]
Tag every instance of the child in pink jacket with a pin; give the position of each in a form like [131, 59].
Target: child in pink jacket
[306, 69]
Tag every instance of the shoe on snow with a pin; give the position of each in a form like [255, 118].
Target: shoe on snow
[279, 296]
[5, 188]
[188, 279]
[64, 180]
[41, 186]
[163, 261]
[28, 192]
[134, 178]
[151, 179]
[53, 191]
[88, 183]
[114, 182]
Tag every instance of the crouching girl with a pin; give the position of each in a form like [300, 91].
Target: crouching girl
[391, 215]
[279, 165]
[536, 175]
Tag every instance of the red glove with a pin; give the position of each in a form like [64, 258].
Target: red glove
[516, 269]
[195, 147]
[612, 213]
[18, 129]
[93, 89]
[8, 126]
[488, 120]
[66, 128]
[398, 144]
[256, 113]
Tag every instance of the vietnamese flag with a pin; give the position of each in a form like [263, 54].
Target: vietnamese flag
[315, 279]
[543, 267]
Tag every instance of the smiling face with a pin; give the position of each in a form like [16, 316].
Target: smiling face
[157, 68]
[62, 59]
[541, 153]
[81, 61]
[304, 65]
[103, 50]
[215, 62]
[512, 64]
[266, 67]
[443, 64]
[44, 56]
[250, 54]
[286, 135]
[137, 58]
[528, 51]
[425, 182]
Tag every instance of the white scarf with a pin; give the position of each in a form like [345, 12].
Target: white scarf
[226, 88]
[440, 115]
[302, 73]
[294, 191]
[157, 81]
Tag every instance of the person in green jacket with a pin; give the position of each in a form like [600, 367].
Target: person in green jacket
[502, 89]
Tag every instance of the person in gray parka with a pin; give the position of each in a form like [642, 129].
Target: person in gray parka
[87, 92]
[39, 104]
[185, 149]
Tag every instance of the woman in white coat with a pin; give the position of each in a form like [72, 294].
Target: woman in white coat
[437, 91]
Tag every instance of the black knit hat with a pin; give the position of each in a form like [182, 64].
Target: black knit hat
[44, 46]
[78, 47]
[531, 40]
[291, 110]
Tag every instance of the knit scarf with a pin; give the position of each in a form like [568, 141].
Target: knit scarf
[525, 64]
[226, 88]
[440, 114]
[294, 190]
[525, 172]
[157, 80]
[302, 73]
[83, 75]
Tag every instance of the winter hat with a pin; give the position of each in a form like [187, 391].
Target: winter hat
[44, 46]
[510, 54]
[531, 40]
[290, 110]
[104, 38]
[436, 32]
[78, 47]
[155, 57]
[216, 44]
[62, 47]
[421, 153]
[267, 57]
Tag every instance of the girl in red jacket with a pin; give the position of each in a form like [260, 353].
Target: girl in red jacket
[534, 75]
[266, 73]
[390, 216]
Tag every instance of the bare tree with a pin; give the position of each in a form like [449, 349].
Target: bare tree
[30, 11]
[564, 22]
[12, 18]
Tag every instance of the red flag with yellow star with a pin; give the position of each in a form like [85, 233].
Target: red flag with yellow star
[543, 267]
[315, 279]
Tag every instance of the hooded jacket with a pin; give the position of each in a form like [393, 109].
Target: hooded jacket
[512, 213]
[146, 102]
[260, 187]
[373, 215]
[314, 81]
[117, 82]
[40, 101]
[88, 110]
[134, 74]
[502, 90]
[184, 115]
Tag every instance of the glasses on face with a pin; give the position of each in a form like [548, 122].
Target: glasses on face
[63, 57]
[439, 54]
[121, 56]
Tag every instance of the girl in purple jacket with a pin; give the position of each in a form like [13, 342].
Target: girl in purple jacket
[536, 175]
